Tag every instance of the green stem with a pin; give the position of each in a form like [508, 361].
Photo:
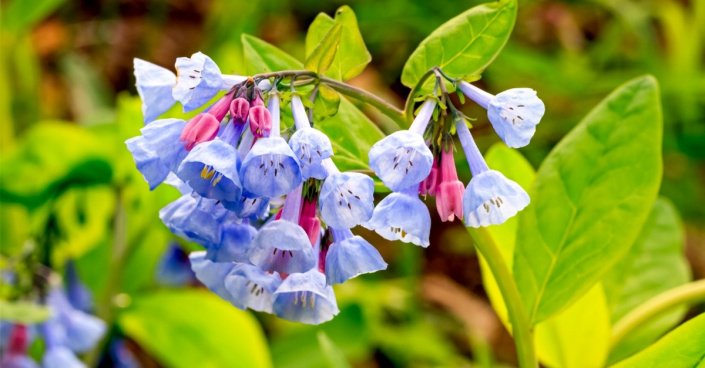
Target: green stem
[360, 94]
[409, 106]
[515, 307]
[686, 294]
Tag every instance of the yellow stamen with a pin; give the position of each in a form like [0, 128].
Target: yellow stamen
[216, 180]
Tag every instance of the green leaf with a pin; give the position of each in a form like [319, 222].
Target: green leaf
[52, 157]
[23, 312]
[326, 104]
[333, 354]
[18, 15]
[263, 57]
[591, 197]
[654, 264]
[194, 328]
[681, 348]
[321, 58]
[465, 45]
[578, 337]
[352, 56]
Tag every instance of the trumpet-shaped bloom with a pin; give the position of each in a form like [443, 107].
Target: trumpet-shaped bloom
[310, 146]
[513, 113]
[198, 80]
[185, 219]
[270, 168]
[490, 198]
[282, 246]
[305, 298]
[211, 170]
[81, 331]
[346, 199]
[163, 136]
[250, 287]
[211, 274]
[401, 159]
[147, 160]
[234, 243]
[154, 85]
[248, 206]
[349, 256]
[402, 216]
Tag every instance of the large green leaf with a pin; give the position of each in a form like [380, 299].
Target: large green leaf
[352, 55]
[654, 264]
[321, 58]
[262, 57]
[591, 197]
[53, 157]
[463, 46]
[332, 353]
[577, 337]
[681, 348]
[195, 328]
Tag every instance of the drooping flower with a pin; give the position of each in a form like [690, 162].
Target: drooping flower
[163, 136]
[198, 80]
[513, 113]
[235, 241]
[211, 274]
[402, 216]
[349, 256]
[449, 194]
[248, 206]
[154, 85]
[429, 185]
[490, 198]
[270, 168]
[147, 160]
[174, 268]
[346, 199]
[15, 355]
[402, 159]
[282, 245]
[185, 219]
[81, 331]
[305, 298]
[211, 170]
[310, 146]
[252, 288]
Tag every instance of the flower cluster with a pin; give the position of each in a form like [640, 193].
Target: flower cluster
[70, 329]
[275, 215]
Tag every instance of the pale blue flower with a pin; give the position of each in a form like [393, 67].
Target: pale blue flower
[174, 268]
[147, 160]
[402, 216]
[249, 206]
[305, 298]
[234, 243]
[211, 170]
[346, 199]
[513, 113]
[349, 256]
[81, 331]
[211, 274]
[401, 159]
[60, 357]
[17, 361]
[163, 137]
[173, 181]
[270, 168]
[490, 198]
[154, 85]
[198, 80]
[282, 246]
[250, 287]
[185, 219]
[310, 146]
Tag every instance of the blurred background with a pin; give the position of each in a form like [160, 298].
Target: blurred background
[68, 102]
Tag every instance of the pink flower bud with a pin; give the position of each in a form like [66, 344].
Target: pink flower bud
[220, 108]
[201, 128]
[428, 186]
[239, 109]
[309, 222]
[449, 193]
[260, 121]
[257, 101]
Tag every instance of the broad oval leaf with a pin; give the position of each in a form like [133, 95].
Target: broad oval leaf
[321, 58]
[577, 337]
[352, 56]
[262, 57]
[591, 197]
[326, 104]
[654, 264]
[681, 348]
[195, 328]
[463, 46]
